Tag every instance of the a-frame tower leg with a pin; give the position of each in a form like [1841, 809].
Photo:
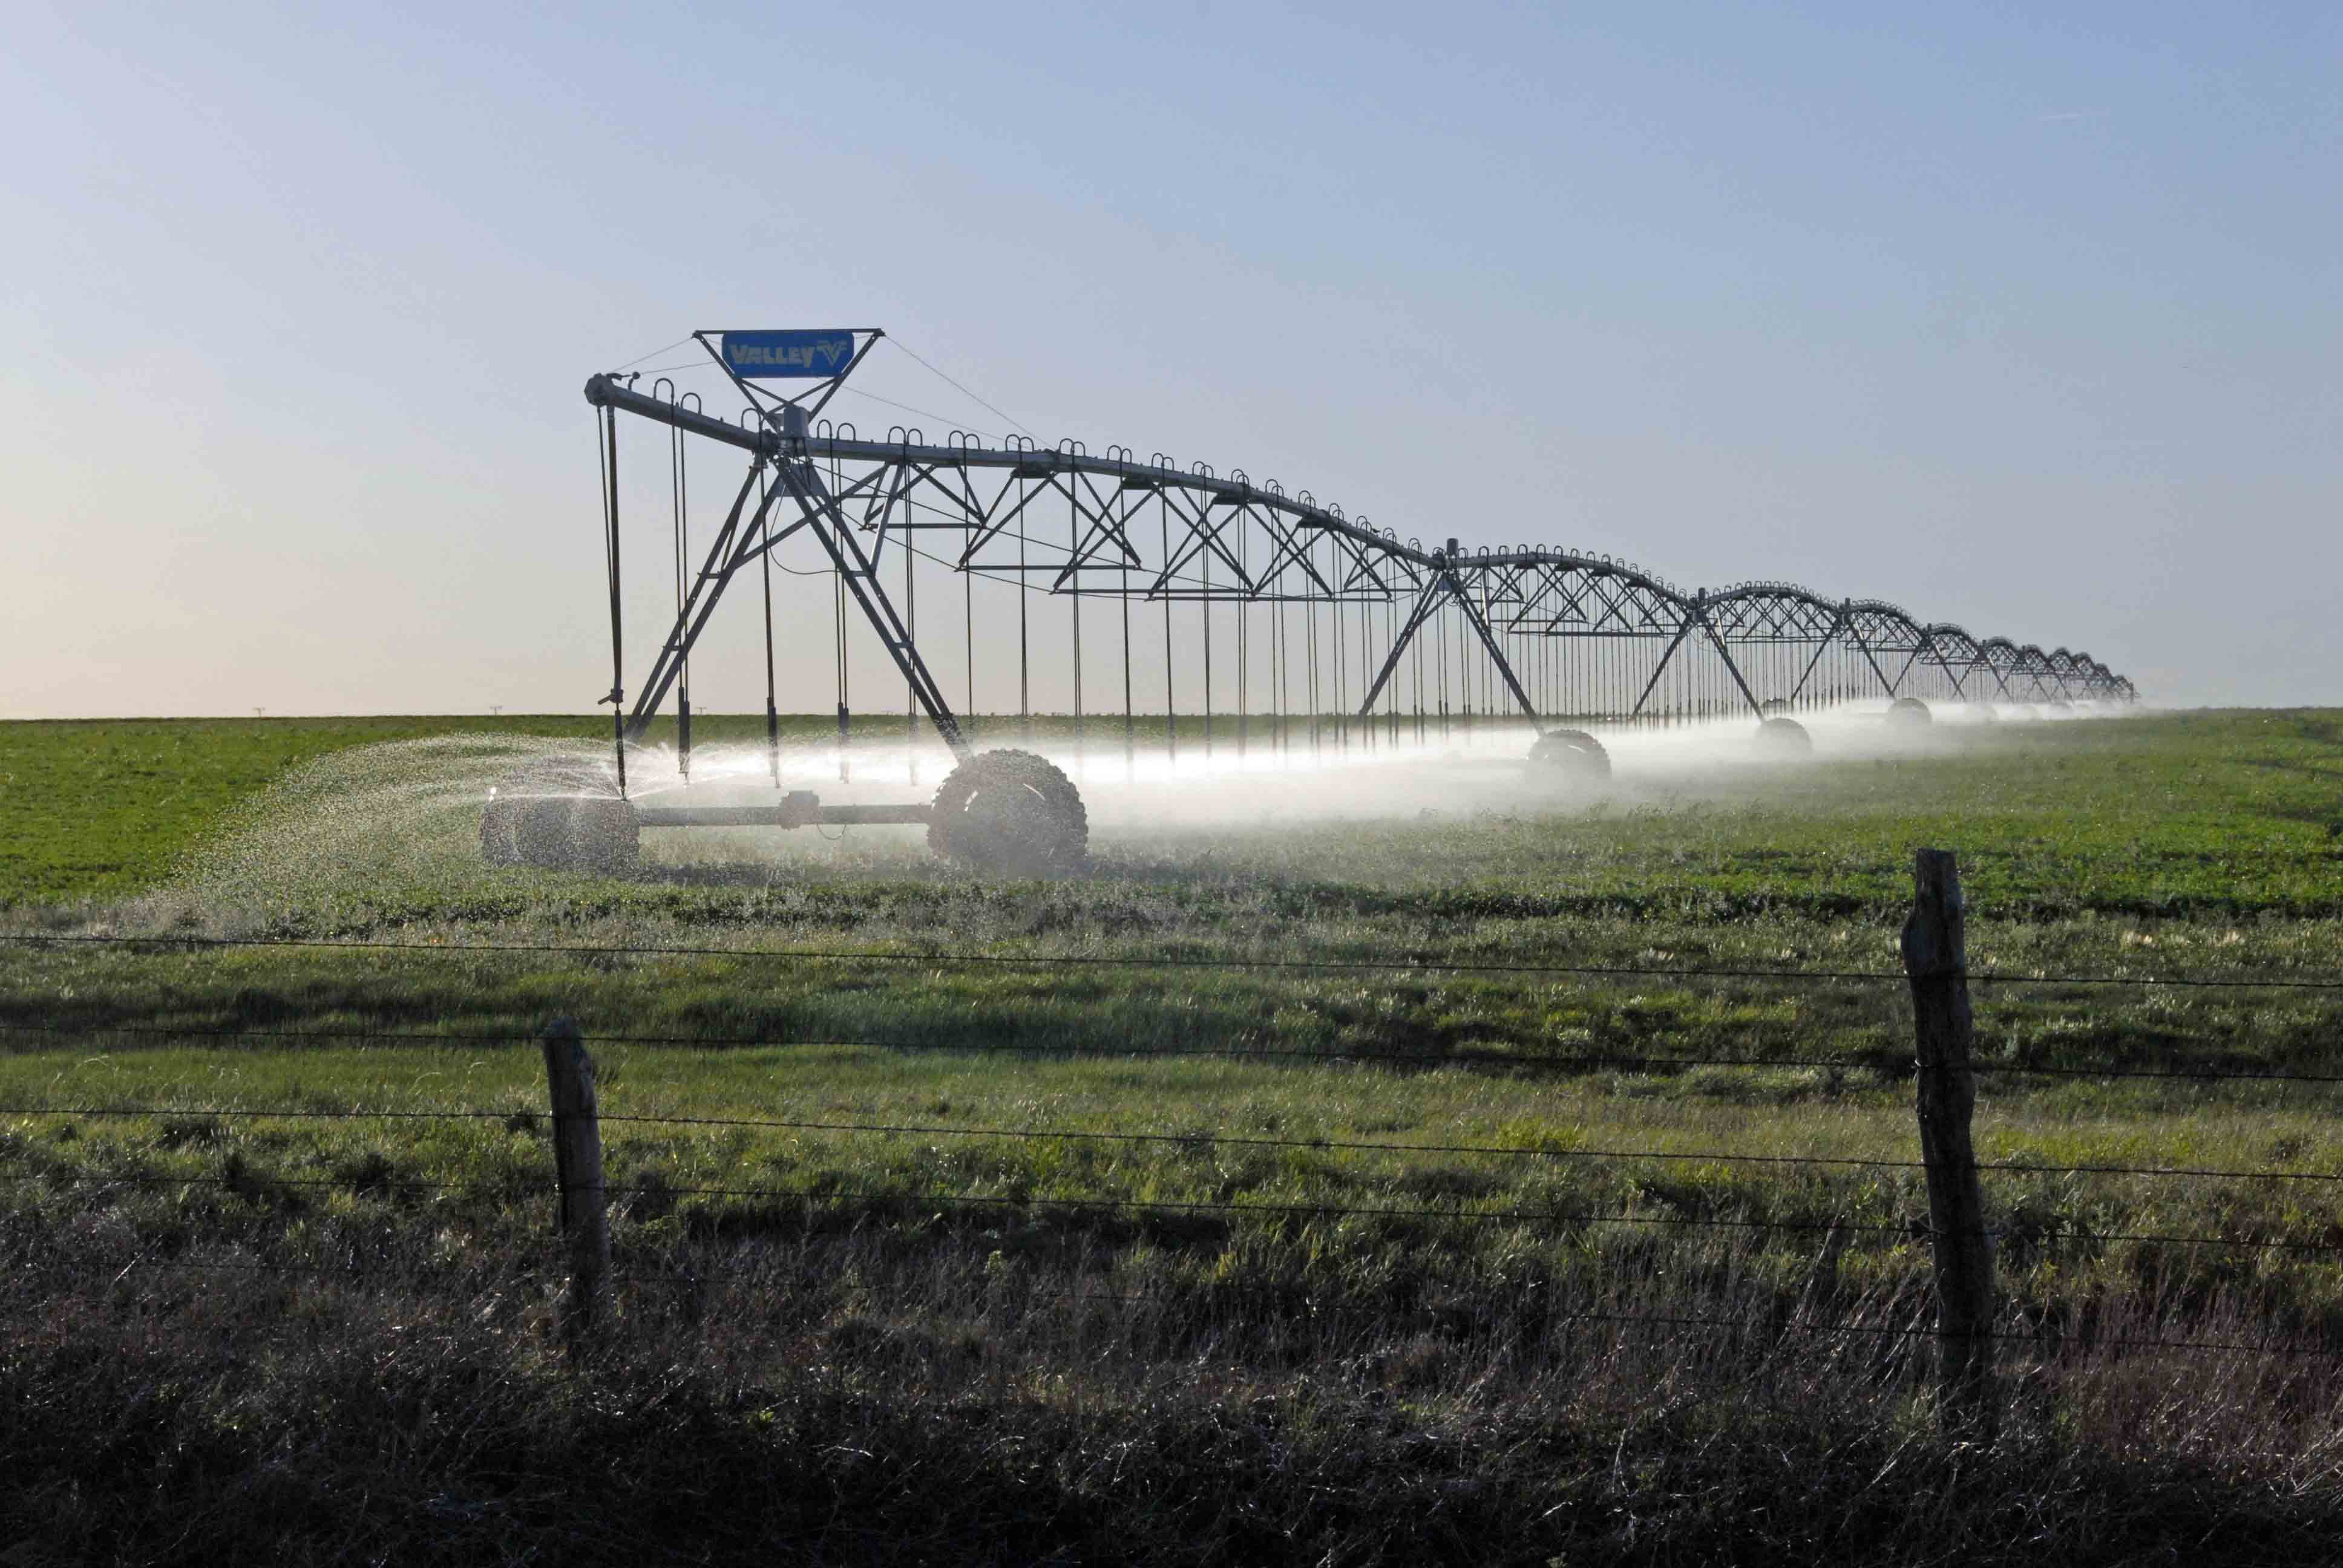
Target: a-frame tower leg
[1443, 584]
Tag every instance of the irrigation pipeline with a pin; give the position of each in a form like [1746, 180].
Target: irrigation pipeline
[1298, 592]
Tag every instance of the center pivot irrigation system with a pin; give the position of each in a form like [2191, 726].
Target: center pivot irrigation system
[1287, 627]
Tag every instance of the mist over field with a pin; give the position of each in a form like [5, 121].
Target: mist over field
[371, 817]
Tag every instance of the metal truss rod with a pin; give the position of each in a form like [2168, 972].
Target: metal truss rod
[1591, 597]
[1661, 669]
[1839, 623]
[1700, 609]
[1427, 602]
[691, 620]
[1854, 630]
[861, 580]
[1488, 639]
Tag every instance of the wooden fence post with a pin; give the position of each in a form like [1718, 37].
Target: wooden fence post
[1936, 958]
[578, 1170]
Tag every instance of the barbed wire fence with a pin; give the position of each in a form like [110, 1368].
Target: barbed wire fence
[1956, 1230]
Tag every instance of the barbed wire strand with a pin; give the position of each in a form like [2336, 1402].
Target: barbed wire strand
[1440, 1058]
[1721, 1157]
[1412, 964]
[1703, 1157]
[661, 1190]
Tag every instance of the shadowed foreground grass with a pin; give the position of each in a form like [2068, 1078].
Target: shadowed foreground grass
[164, 1416]
[1282, 1338]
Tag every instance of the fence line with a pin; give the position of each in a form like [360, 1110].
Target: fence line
[1448, 1057]
[1323, 1210]
[1048, 960]
[269, 1113]
[1323, 1145]
[1936, 967]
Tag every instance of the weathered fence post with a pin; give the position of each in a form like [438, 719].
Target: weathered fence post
[577, 1168]
[1936, 958]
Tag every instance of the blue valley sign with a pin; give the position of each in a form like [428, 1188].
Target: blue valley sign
[801, 354]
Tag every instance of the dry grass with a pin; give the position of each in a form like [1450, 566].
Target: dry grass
[848, 1394]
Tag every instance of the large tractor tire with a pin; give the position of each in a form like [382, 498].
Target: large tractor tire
[1909, 713]
[1569, 756]
[1784, 737]
[599, 835]
[499, 821]
[561, 816]
[1010, 814]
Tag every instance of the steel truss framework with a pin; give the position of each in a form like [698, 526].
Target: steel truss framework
[1337, 626]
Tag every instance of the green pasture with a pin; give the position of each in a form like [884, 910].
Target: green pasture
[1268, 1150]
[1542, 956]
[1247, 1174]
[2209, 814]
[2139, 849]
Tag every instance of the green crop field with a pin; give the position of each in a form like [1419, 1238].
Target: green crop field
[1288, 1185]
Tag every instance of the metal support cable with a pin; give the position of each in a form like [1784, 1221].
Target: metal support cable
[961, 389]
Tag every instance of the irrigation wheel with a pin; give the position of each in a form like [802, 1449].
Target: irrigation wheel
[1909, 712]
[598, 834]
[1784, 737]
[1569, 755]
[563, 815]
[1012, 813]
[500, 818]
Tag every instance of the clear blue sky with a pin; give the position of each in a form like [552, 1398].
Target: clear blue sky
[2022, 316]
